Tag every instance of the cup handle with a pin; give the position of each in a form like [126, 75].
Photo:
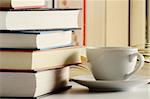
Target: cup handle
[138, 65]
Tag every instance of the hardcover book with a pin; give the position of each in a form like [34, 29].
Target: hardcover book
[40, 60]
[22, 4]
[39, 19]
[35, 39]
[32, 84]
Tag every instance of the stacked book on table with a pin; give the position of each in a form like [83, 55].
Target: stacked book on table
[37, 46]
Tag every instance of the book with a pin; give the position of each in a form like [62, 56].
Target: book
[138, 23]
[32, 84]
[148, 22]
[80, 69]
[39, 19]
[65, 4]
[40, 59]
[35, 39]
[22, 4]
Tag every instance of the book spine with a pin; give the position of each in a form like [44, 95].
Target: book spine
[84, 22]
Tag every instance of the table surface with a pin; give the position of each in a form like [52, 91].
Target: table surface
[78, 92]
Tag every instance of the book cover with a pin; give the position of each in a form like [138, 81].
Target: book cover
[32, 84]
[39, 19]
[40, 40]
[40, 59]
[24, 4]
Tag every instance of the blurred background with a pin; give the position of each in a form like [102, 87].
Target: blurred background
[115, 23]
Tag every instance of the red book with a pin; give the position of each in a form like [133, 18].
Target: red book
[84, 22]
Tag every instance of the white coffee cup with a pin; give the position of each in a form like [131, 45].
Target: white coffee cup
[114, 63]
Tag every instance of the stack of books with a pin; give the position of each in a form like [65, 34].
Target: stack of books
[37, 46]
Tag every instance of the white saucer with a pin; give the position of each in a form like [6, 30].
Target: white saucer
[119, 85]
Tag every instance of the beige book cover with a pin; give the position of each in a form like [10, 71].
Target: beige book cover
[137, 23]
[117, 22]
[40, 60]
[23, 4]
